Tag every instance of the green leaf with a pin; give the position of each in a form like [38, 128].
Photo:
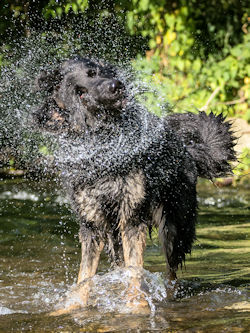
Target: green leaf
[67, 8]
[197, 65]
[143, 5]
[170, 20]
[59, 11]
[75, 8]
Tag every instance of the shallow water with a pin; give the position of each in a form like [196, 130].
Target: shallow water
[39, 260]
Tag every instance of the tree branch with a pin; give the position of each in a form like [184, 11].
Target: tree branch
[215, 92]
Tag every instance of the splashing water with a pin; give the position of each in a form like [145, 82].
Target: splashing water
[110, 291]
[104, 39]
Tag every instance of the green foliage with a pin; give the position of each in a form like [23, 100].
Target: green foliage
[244, 162]
[195, 60]
[55, 8]
[225, 84]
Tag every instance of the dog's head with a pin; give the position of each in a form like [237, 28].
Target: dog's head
[80, 93]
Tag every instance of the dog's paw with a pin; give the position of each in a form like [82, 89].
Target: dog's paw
[65, 311]
[138, 306]
[77, 298]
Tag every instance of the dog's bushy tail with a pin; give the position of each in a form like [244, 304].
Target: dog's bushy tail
[209, 139]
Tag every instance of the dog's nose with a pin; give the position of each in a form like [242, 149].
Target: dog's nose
[115, 85]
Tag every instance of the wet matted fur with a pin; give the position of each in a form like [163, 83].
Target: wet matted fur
[127, 170]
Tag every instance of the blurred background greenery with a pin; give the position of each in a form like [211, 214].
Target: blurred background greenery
[196, 53]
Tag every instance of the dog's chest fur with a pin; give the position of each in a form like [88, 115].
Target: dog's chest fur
[111, 199]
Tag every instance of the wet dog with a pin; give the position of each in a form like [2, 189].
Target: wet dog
[127, 170]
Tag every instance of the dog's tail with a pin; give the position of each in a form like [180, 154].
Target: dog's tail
[209, 139]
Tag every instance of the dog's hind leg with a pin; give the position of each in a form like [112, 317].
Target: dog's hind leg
[134, 243]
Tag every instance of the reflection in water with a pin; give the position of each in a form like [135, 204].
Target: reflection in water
[39, 260]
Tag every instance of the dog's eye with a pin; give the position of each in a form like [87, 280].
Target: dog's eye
[91, 72]
[81, 91]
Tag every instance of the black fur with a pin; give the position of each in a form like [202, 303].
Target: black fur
[125, 168]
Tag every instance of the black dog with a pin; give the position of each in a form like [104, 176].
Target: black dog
[126, 169]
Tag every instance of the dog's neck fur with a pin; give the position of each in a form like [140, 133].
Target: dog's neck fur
[129, 144]
[103, 119]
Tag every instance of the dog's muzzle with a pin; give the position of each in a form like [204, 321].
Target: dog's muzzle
[116, 86]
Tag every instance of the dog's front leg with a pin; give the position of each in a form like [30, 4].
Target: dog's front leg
[92, 247]
[91, 250]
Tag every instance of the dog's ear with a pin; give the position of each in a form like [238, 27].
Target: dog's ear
[46, 81]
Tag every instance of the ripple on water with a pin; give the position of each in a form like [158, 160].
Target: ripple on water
[22, 195]
[5, 311]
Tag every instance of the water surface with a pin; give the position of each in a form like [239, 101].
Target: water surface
[40, 255]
